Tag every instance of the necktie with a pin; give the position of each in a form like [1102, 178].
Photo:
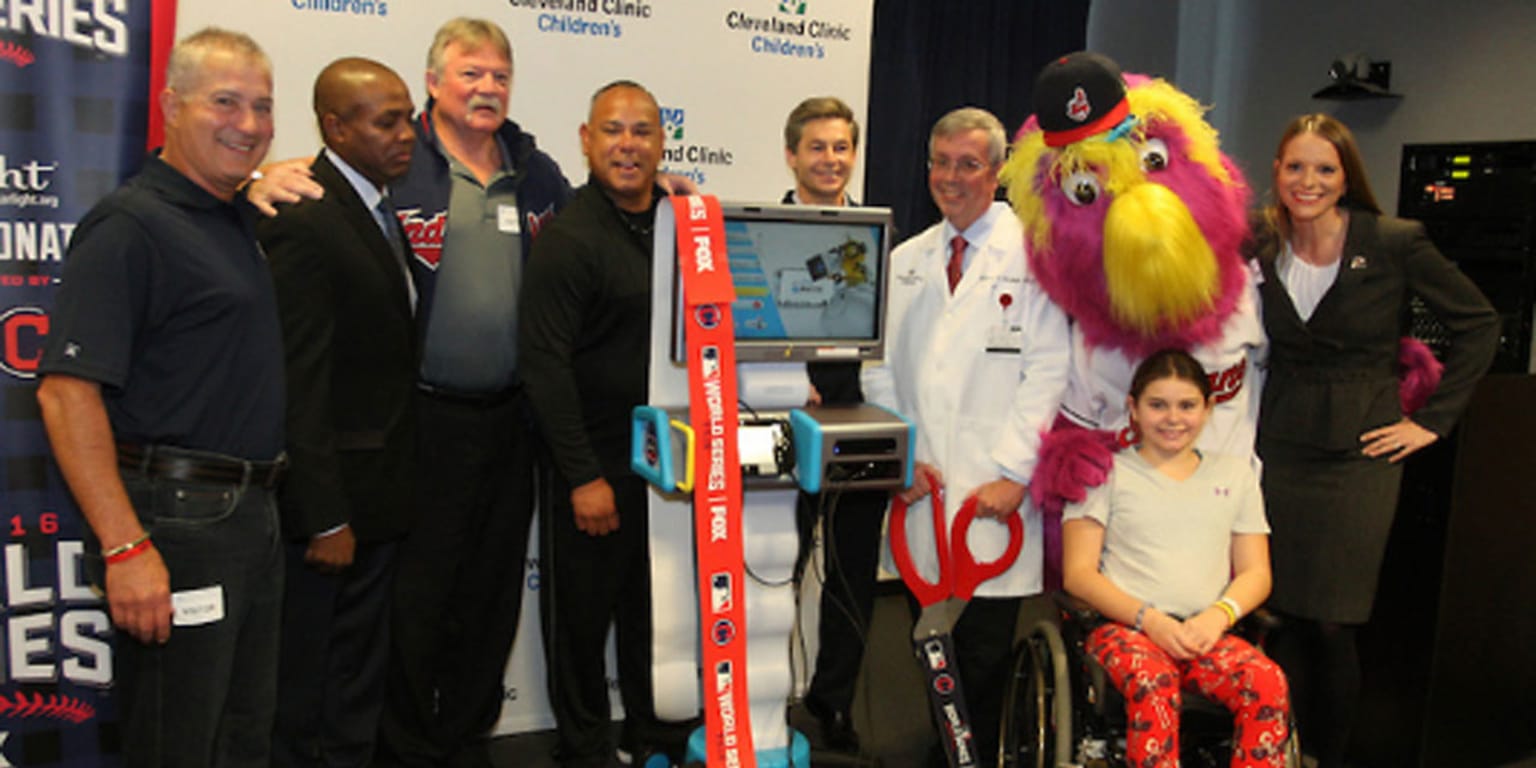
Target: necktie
[956, 261]
[385, 215]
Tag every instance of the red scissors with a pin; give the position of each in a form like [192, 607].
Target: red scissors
[943, 601]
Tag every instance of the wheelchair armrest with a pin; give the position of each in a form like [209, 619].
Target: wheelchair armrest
[1257, 625]
[1077, 611]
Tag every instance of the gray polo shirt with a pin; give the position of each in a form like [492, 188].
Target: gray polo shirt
[471, 336]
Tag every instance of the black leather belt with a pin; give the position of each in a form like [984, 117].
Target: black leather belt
[478, 399]
[181, 465]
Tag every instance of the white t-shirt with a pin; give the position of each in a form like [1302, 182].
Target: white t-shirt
[1169, 542]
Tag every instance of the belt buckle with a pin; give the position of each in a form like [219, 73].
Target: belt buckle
[275, 471]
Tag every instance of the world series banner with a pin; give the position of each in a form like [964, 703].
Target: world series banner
[74, 109]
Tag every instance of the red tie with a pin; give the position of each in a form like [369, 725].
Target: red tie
[956, 261]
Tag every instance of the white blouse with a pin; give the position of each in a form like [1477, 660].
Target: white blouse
[1307, 284]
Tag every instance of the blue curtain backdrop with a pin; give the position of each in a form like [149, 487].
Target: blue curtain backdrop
[928, 57]
[74, 79]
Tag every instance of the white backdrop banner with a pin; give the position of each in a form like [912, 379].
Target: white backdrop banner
[725, 73]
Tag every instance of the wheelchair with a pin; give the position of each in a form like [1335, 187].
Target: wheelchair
[1061, 710]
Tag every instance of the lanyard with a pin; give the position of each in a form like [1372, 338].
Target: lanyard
[707, 297]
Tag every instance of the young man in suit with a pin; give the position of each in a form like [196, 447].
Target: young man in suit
[821, 147]
[346, 302]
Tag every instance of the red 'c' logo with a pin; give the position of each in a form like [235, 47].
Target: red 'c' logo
[22, 332]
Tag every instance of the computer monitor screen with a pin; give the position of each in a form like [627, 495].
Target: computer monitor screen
[810, 282]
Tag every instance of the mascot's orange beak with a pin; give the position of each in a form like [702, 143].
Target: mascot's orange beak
[1158, 268]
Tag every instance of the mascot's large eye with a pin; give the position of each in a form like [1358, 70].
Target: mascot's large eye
[1081, 188]
[1154, 155]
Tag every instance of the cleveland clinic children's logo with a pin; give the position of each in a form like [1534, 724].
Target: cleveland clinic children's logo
[797, 7]
[672, 123]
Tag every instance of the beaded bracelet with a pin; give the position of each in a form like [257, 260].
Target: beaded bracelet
[1141, 613]
[127, 551]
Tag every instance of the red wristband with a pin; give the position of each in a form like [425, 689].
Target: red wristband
[120, 554]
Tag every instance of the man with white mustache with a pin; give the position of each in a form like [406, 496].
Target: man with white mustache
[477, 192]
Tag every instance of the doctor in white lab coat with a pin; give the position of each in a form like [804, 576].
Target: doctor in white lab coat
[980, 369]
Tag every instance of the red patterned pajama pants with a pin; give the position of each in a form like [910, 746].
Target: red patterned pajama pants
[1233, 673]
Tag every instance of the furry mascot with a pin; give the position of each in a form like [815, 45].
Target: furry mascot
[1135, 223]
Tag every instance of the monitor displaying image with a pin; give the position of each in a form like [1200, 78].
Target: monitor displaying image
[810, 282]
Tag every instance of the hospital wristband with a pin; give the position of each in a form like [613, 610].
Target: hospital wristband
[1141, 614]
[127, 551]
[1230, 608]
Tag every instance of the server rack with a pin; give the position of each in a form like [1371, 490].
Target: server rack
[1478, 202]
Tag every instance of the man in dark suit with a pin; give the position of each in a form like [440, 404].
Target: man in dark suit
[346, 304]
[821, 146]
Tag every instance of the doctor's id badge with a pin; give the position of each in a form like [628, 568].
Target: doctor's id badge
[1007, 334]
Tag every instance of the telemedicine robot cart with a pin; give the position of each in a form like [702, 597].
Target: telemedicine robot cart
[804, 283]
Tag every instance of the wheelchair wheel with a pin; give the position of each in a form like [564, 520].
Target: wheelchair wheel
[1025, 706]
[1037, 707]
[1293, 747]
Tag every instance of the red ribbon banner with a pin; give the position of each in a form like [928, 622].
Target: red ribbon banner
[710, 342]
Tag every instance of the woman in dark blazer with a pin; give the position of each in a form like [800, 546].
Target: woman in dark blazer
[1337, 280]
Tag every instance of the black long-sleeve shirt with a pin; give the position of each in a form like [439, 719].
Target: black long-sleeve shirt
[584, 332]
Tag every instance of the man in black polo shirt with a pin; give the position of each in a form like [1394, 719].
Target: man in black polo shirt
[163, 399]
[584, 341]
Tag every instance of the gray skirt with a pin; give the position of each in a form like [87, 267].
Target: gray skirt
[1330, 514]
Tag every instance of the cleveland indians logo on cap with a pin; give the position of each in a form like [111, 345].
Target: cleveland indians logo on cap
[1078, 108]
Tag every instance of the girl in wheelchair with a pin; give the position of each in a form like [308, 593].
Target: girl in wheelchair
[1173, 548]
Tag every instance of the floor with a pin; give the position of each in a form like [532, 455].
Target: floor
[890, 710]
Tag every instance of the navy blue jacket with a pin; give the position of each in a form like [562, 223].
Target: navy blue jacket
[421, 198]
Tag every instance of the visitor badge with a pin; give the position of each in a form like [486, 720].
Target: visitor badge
[192, 607]
[506, 219]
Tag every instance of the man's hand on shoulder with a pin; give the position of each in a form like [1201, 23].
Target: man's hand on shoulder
[139, 597]
[596, 513]
[285, 181]
[333, 551]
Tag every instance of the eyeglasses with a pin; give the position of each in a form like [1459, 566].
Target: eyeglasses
[965, 166]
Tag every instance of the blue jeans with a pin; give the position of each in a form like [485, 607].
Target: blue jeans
[206, 697]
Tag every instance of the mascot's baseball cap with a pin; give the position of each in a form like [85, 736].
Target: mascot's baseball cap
[1077, 96]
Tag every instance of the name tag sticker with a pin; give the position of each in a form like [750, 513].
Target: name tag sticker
[506, 219]
[193, 607]
[1005, 338]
